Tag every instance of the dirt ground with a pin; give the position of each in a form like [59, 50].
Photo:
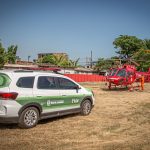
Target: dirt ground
[120, 120]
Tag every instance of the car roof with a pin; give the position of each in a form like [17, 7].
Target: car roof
[28, 73]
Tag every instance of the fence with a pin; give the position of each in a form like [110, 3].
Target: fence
[86, 78]
[95, 78]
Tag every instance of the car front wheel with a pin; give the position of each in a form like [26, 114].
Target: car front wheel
[86, 107]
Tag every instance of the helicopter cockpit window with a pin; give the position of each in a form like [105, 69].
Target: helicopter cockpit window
[129, 73]
[121, 73]
[113, 72]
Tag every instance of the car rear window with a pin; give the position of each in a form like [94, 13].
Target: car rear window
[4, 80]
[25, 82]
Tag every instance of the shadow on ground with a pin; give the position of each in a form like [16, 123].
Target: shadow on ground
[4, 126]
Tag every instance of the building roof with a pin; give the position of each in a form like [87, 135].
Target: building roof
[84, 69]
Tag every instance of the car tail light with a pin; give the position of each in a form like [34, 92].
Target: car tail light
[9, 96]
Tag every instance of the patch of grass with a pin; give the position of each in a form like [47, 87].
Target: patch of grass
[141, 115]
[119, 121]
[112, 128]
[146, 106]
[126, 146]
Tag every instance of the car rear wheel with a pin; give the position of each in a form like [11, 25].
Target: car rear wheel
[29, 118]
[86, 107]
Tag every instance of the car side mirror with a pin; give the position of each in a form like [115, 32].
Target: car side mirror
[77, 88]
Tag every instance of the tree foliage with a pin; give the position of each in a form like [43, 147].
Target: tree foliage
[59, 60]
[127, 46]
[146, 43]
[130, 49]
[103, 64]
[48, 59]
[143, 58]
[73, 63]
[8, 56]
[11, 54]
[2, 56]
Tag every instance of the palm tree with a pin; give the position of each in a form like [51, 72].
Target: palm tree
[59, 60]
[73, 63]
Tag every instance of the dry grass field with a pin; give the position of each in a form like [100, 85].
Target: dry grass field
[120, 120]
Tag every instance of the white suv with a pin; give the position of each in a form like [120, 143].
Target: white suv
[27, 97]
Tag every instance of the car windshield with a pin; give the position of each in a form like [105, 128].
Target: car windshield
[121, 73]
[4, 80]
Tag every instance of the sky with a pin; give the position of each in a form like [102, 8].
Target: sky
[76, 27]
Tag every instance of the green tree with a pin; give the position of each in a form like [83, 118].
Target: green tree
[59, 60]
[143, 58]
[11, 54]
[104, 64]
[48, 59]
[74, 63]
[147, 43]
[2, 56]
[127, 45]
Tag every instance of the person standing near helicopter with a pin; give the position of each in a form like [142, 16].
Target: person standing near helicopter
[142, 82]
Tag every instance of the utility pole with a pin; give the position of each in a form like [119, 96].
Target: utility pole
[91, 58]
[29, 58]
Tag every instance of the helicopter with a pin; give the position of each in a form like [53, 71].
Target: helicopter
[122, 76]
[125, 75]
